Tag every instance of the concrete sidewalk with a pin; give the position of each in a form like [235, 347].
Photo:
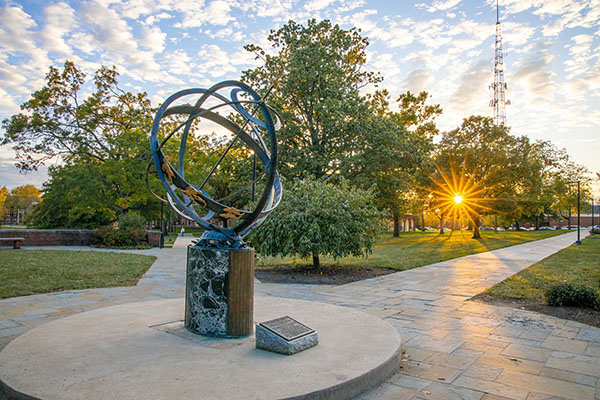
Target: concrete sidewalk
[182, 242]
[461, 349]
[454, 348]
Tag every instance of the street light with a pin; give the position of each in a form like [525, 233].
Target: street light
[592, 212]
[578, 211]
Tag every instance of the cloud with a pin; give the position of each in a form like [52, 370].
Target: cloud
[580, 52]
[60, 20]
[17, 35]
[111, 37]
[216, 12]
[440, 5]
[537, 81]
[315, 5]
[472, 89]
[215, 61]
[418, 80]
[153, 39]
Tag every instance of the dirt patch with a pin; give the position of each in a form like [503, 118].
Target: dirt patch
[325, 275]
[583, 315]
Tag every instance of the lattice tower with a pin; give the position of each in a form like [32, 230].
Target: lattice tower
[499, 87]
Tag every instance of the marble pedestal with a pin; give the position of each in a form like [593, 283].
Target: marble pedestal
[219, 298]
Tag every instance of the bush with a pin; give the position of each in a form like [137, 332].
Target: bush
[133, 228]
[131, 231]
[596, 231]
[319, 218]
[566, 294]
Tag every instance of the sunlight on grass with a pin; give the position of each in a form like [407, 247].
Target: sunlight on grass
[415, 249]
[578, 265]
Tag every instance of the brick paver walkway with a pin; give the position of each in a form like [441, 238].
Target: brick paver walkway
[454, 348]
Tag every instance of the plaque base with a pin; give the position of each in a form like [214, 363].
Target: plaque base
[219, 291]
[285, 336]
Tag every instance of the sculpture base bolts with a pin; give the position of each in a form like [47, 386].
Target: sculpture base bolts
[219, 295]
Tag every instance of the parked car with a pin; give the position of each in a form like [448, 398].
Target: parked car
[486, 228]
[545, 228]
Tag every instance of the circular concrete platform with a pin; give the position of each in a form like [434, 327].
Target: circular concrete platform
[142, 351]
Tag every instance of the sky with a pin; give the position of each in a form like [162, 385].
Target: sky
[446, 47]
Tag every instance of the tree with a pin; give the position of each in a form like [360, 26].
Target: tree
[21, 200]
[318, 218]
[101, 138]
[554, 193]
[59, 123]
[415, 114]
[3, 195]
[417, 117]
[490, 169]
[387, 156]
[315, 78]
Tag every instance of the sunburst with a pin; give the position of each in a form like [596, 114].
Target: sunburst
[458, 195]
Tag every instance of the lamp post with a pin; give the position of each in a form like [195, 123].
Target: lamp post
[578, 211]
[592, 212]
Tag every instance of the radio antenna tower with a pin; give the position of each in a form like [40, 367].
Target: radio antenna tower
[499, 101]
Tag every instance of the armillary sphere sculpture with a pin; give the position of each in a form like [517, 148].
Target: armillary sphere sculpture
[260, 122]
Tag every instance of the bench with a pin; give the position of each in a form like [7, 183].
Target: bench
[16, 241]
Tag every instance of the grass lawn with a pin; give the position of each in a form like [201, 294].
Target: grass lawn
[415, 249]
[25, 272]
[578, 265]
[170, 239]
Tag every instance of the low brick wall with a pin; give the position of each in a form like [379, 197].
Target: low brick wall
[66, 237]
[155, 239]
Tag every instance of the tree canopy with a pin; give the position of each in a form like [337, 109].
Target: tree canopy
[315, 78]
[100, 139]
[497, 173]
[333, 131]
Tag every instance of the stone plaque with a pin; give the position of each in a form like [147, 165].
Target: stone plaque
[287, 327]
[285, 335]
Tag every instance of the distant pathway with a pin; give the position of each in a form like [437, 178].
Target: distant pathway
[454, 348]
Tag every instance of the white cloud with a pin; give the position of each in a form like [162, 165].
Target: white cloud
[581, 54]
[60, 20]
[315, 5]
[216, 12]
[418, 80]
[439, 5]
[215, 62]
[17, 35]
[472, 90]
[153, 39]
[536, 79]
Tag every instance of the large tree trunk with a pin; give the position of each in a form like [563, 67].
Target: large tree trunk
[495, 223]
[396, 225]
[441, 225]
[316, 262]
[476, 233]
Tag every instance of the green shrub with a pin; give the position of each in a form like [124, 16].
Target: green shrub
[105, 236]
[596, 231]
[131, 231]
[132, 228]
[566, 294]
[319, 218]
